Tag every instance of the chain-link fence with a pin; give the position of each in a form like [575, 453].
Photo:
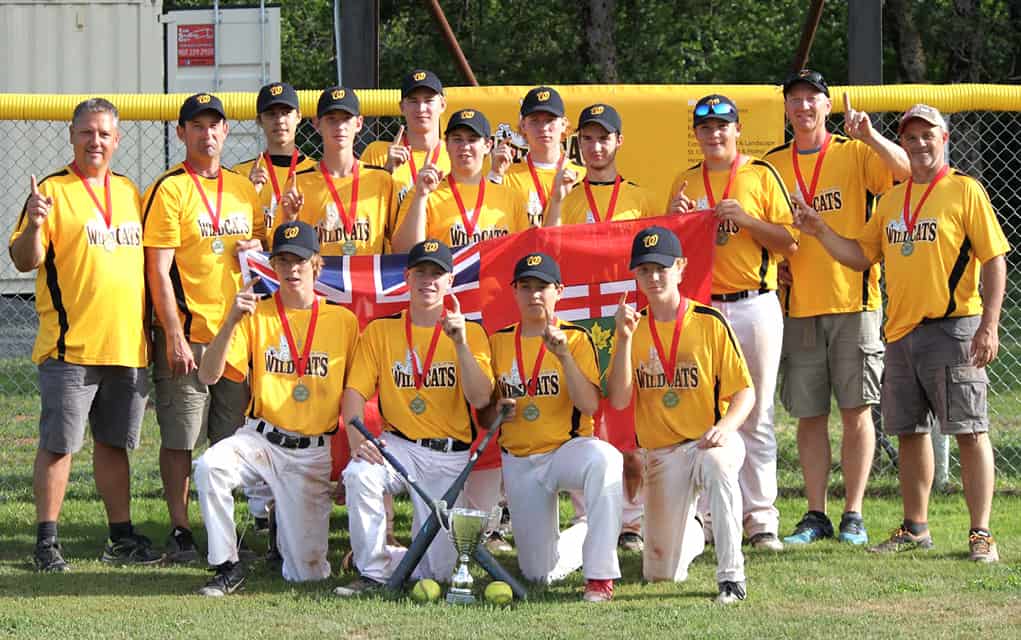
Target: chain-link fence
[983, 144]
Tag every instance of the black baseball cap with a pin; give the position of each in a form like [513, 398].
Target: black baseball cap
[431, 251]
[196, 104]
[470, 118]
[276, 93]
[338, 99]
[813, 79]
[714, 106]
[543, 99]
[655, 244]
[538, 265]
[602, 114]
[420, 78]
[295, 237]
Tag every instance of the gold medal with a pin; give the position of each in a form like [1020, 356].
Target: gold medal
[217, 246]
[671, 399]
[417, 405]
[907, 248]
[349, 248]
[108, 242]
[722, 237]
[531, 413]
[300, 393]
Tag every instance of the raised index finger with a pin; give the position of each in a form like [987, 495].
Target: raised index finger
[35, 186]
[684, 185]
[456, 306]
[847, 102]
[400, 135]
[251, 284]
[258, 161]
[623, 299]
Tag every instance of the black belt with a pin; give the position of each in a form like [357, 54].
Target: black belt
[444, 445]
[287, 441]
[738, 295]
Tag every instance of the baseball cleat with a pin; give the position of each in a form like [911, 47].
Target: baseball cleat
[181, 546]
[228, 579]
[901, 539]
[48, 557]
[631, 541]
[813, 526]
[497, 544]
[598, 591]
[135, 549]
[731, 592]
[360, 586]
[765, 542]
[852, 530]
[982, 548]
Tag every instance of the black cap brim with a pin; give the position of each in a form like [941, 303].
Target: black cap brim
[538, 275]
[796, 81]
[543, 108]
[609, 126]
[661, 259]
[276, 101]
[297, 249]
[437, 261]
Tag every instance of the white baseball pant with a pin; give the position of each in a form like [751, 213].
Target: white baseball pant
[673, 538]
[758, 325]
[299, 480]
[631, 512]
[366, 483]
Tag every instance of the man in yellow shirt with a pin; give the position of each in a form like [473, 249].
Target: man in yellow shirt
[430, 367]
[81, 227]
[295, 349]
[939, 239]
[547, 370]
[832, 342]
[684, 365]
[196, 217]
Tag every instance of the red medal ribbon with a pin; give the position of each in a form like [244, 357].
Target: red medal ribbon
[419, 372]
[214, 216]
[669, 365]
[349, 221]
[301, 362]
[730, 181]
[273, 173]
[469, 225]
[106, 212]
[539, 189]
[611, 207]
[810, 193]
[911, 218]
[531, 384]
[411, 158]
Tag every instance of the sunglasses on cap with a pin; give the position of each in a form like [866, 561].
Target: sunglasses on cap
[718, 109]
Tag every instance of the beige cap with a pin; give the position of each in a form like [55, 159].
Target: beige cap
[922, 112]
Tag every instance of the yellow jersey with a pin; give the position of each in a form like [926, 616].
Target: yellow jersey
[268, 200]
[558, 420]
[370, 231]
[851, 177]
[741, 263]
[938, 276]
[710, 368]
[205, 273]
[519, 180]
[376, 153]
[384, 362]
[633, 202]
[90, 287]
[259, 350]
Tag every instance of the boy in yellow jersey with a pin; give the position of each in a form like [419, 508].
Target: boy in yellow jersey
[603, 194]
[347, 201]
[295, 349]
[272, 171]
[417, 142]
[544, 126]
[547, 371]
[81, 227]
[832, 342]
[460, 208]
[196, 217]
[430, 368]
[693, 393]
[755, 232]
[939, 239]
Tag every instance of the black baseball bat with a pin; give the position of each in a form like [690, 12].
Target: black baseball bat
[357, 423]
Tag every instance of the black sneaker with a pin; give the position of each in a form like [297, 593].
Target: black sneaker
[48, 557]
[814, 525]
[852, 530]
[261, 525]
[731, 592]
[229, 577]
[631, 541]
[135, 549]
[181, 546]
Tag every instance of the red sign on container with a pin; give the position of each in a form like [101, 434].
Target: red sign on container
[196, 45]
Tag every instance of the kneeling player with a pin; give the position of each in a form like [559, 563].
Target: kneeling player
[547, 440]
[686, 418]
[295, 350]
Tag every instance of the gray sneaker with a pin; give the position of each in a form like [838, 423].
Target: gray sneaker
[765, 542]
[181, 546]
[360, 586]
[48, 557]
[228, 579]
[135, 549]
[901, 539]
[731, 592]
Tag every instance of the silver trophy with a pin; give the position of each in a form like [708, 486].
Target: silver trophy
[467, 528]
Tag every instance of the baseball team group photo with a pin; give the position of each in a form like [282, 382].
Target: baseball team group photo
[450, 359]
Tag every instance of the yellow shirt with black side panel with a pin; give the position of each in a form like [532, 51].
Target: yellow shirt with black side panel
[503, 213]
[956, 231]
[371, 232]
[281, 167]
[710, 369]
[519, 179]
[259, 351]
[174, 216]
[383, 362]
[741, 263]
[90, 301]
[559, 420]
[850, 180]
[376, 153]
[633, 203]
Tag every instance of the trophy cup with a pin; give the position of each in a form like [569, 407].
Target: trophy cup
[466, 528]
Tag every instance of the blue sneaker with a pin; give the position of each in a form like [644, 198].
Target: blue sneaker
[852, 530]
[814, 525]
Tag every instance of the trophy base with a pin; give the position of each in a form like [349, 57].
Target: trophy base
[460, 596]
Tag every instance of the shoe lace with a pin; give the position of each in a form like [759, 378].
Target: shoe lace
[600, 586]
[980, 543]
